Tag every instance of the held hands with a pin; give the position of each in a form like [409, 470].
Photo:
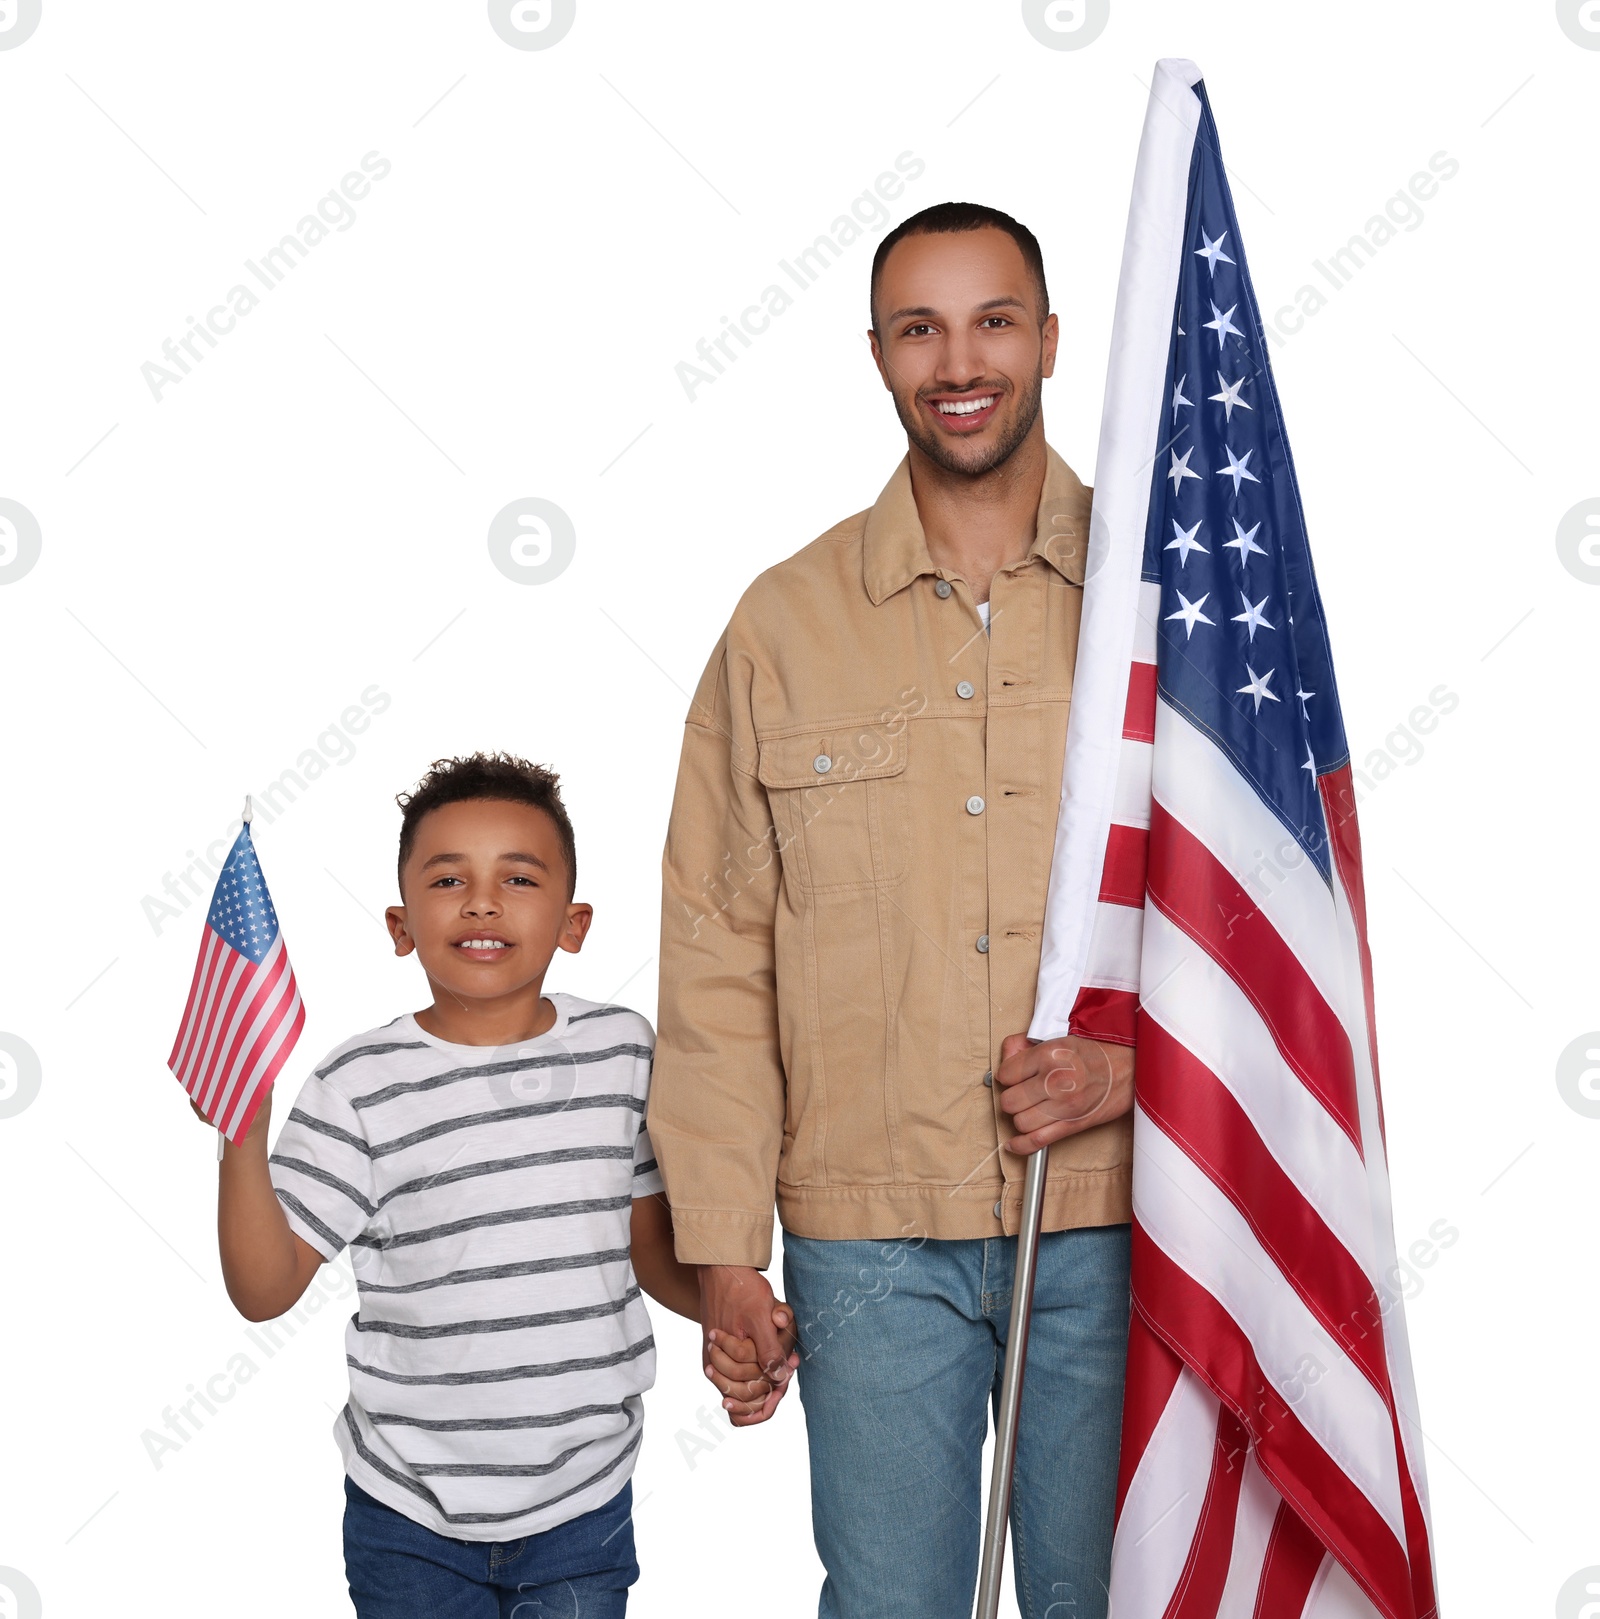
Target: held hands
[749, 1340]
[1056, 1088]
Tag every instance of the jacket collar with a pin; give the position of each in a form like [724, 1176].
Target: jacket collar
[894, 550]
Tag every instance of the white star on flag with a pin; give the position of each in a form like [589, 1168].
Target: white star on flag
[1311, 763]
[1212, 252]
[1222, 325]
[1302, 695]
[1229, 397]
[1191, 615]
[1251, 616]
[1177, 396]
[1244, 544]
[1237, 469]
[1258, 686]
[1184, 541]
[1179, 469]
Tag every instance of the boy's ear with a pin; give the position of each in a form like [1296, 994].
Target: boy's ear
[395, 920]
[576, 928]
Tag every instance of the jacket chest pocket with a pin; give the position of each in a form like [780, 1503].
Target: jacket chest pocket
[838, 799]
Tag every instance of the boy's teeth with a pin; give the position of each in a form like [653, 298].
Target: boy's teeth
[963, 407]
[482, 944]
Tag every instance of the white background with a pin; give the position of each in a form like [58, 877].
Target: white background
[303, 517]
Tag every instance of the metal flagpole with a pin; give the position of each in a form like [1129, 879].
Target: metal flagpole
[1005, 1432]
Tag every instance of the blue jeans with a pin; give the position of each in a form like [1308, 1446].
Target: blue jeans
[397, 1569]
[902, 1347]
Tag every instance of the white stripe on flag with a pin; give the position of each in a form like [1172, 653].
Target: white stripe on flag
[1147, 628]
[1131, 804]
[1195, 1224]
[1161, 1513]
[1113, 961]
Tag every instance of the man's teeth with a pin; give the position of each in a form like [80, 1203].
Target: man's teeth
[483, 944]
[964, 407]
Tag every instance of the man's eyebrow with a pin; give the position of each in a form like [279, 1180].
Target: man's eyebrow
[524, 859]
[923, 312]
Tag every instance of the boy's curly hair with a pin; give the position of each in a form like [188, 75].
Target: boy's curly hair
[500, 776]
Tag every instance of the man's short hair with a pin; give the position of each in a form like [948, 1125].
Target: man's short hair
[949, 218]
[498, 776]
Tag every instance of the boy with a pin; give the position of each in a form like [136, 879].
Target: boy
[486, 1161]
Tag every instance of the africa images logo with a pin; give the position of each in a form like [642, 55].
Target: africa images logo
[532, 25]
[18, 19]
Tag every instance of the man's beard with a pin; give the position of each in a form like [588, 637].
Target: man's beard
[947, 455]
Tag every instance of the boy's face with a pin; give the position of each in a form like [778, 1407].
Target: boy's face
[485, 899]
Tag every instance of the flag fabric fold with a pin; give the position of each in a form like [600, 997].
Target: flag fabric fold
[1206, 904]
[244, 1012]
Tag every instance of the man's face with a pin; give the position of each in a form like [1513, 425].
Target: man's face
[485, 892]
[964, 346]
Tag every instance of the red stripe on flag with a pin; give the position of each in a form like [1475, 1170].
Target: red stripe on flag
[185, 1029]
[1139, 717]
[1293, 1557]
[1338, 794]
[1152, 1374]
[1200, 895]
[1217, 1350]
[1203, 1116]
[1200, 1586]
[1111, 1015]
[1122, 878]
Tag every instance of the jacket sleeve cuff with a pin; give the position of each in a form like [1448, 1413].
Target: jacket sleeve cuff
[722, 1237]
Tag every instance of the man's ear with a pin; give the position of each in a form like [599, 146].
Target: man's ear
[395, 920]
[1051, 333]
[576, 928]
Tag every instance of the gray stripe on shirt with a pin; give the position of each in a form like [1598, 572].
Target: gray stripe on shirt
[506, 1323]
[554, 1059]
[506, 1374]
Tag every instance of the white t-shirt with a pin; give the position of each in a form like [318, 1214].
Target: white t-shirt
[502, 1345]
[983, 613]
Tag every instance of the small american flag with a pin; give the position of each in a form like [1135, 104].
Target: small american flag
[1207, 905]
[244, 1013]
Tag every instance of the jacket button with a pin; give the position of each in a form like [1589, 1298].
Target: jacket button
[997, 1211]
[964, 688]
[974, 805]
[983, 944]
[822, 764]
[942, 588]
[988, 1078]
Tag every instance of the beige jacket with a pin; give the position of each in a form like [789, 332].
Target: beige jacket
[853, 894]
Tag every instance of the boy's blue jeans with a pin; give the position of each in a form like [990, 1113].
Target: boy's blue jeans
[902, 1346]
[397, 1569]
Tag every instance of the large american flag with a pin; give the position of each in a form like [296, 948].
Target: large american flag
[244, 1013]
[1206, 904]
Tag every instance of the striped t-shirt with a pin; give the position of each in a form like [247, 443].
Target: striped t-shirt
[501, 1345]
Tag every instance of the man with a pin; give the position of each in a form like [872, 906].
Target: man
[854, 890]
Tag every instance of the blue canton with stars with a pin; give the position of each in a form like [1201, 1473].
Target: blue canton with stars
[1242, 648]
[241, 907]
